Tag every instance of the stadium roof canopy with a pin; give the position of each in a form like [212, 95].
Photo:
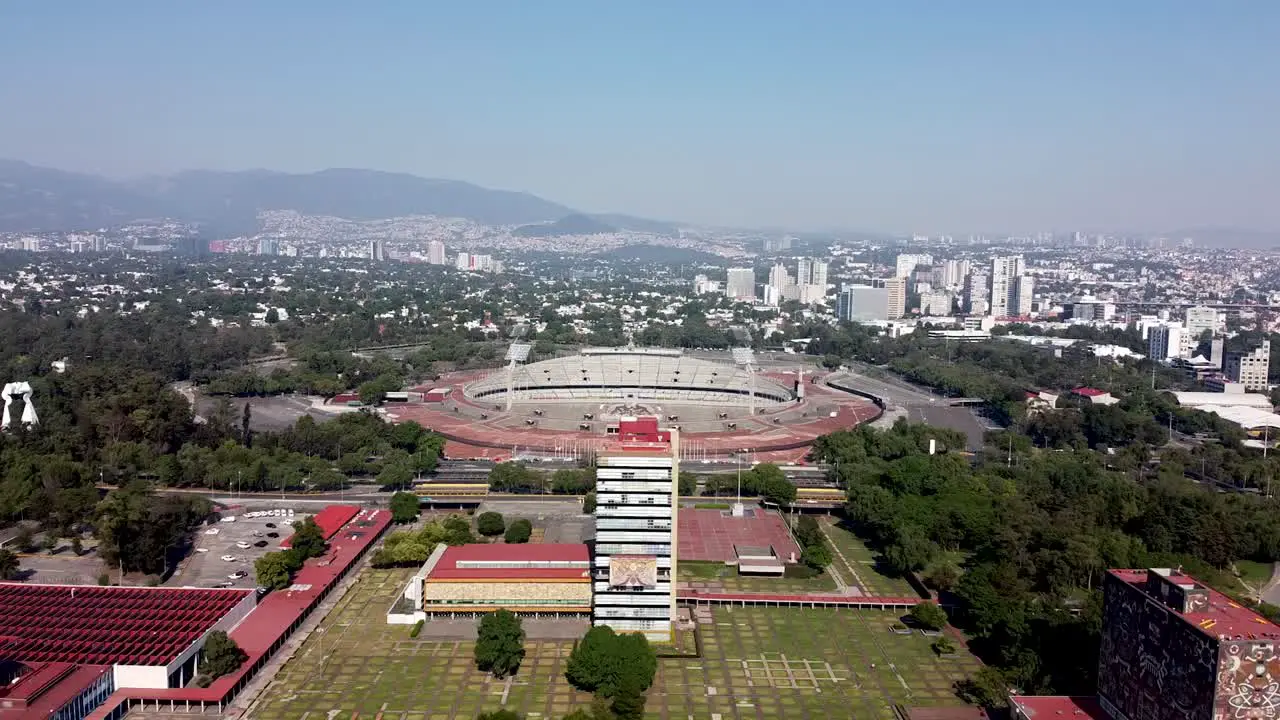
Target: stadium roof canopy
[603, 369]
[91, 625]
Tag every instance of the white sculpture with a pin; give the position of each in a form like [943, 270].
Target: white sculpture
[23, 390]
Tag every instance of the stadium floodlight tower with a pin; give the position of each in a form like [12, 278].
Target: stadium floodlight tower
[746, 359]
[516, 354]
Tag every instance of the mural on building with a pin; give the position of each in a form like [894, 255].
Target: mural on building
[1248, 681]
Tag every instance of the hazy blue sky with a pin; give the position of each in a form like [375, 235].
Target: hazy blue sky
[895, 115]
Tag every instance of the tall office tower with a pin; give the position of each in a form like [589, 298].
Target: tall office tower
[1164, 342]
[1216, 347]
[462, 262]
[634, 570]
[777, 244]
[975, 294]
[1022, 295]
[377, 251]
[268, 246]
[897, 300]
[1005, 272]
[863, 303]
[907, 262]
[818, 274]
[435, 252]
[1250, 368]
[741, 284]
[935, 302]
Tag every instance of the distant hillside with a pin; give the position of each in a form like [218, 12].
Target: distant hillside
[636, 224]
[665, 255]
[576, 224]
[35, 198]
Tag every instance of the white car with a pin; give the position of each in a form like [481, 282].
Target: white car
[243, 545]
[229, 518]
[211, 531]
[202, 550]
[238, 574]
[229, 558]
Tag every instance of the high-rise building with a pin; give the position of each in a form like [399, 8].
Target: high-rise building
[936, 302]
[1201, 320]
[1250, 369]
[951, 273]
[976, 292]
[634, 570]
[897, 297]
[268, 246]
[907, 262]
[781, 280]
[463, 261]
[377, 251]
[704, 286]
[741, 284]
[1022, 296]
[1005, 272]
[1164, 342]
[863, 303]
[435, 252]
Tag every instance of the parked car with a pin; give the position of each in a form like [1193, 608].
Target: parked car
[271, 525]
[212, 531]
[260, 543]
[273, 535]
[229, 518]
[229, 558]
[243, 545]
[238, 574]
[202, 550]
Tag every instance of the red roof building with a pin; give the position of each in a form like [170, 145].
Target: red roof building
[527, 579]
[1057, 707]
[330, 519]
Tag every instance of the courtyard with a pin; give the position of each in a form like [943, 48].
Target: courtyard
[757, 663]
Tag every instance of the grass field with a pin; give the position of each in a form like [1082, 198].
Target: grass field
[758, 663]
[853, 557]
[718, 577]
[1255, 574]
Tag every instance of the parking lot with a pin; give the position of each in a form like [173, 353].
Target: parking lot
[244, 541]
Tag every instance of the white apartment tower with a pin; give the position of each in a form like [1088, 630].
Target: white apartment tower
[634, 570]
[377, 251]
[741, 284]
[1250, 369]
[1005, 272]
[907, 262]
[435, 252]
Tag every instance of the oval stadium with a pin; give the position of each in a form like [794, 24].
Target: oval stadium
[723, 404]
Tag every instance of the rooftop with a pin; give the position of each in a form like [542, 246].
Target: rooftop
[499, 561]
[1089, 392]
[1041, 707]
[1222, 618]
[106, 625]
[330, 519]
[47, 688]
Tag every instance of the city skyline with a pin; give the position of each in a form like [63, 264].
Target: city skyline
[1142, 117]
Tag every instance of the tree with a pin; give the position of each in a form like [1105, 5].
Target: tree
[943, 576]
[245, 433]
[8, 564]
[628, 698]
[519, 531]
[396, 474]
[272, 317]
[77, 546]
[768, 480]
[404, 507]
[272, 570]
[929, 615]
[490, 524]
[831, 362]
[512, 477]
[816, 556]
[308, 539]
[589, 503]
[503, 714]
[688, 485]
[600, 660]
[500, 645]
[221, 655]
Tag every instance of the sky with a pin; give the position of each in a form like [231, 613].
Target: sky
[897, 116]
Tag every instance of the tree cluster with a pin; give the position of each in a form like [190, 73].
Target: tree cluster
[618, 667]
[275, 570]
[500, 644]
[410, 548]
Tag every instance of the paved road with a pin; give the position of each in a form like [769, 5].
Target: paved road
[917, 404]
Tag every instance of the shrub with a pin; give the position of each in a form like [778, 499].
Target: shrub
[417, 628]
[490, 524]
[519, 531]
[221, 655]
[944, 646]
[929, 616]
[104, 579]
[404, 507]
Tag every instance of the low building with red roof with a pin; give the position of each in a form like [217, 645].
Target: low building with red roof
[1095, 396]
[538, 579]
[1056, 707]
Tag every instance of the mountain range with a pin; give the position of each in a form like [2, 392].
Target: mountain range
[42, 199]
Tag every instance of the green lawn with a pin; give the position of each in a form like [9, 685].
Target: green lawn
[718, 577]
[758, 664]
[1254, 573]
[854, 558]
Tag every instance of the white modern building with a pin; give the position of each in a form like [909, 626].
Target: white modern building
[1005, 287]
[1250, 369]
[907, 262]
[741, 284]
[1164, 342]
[435, 252]
[634, 569]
